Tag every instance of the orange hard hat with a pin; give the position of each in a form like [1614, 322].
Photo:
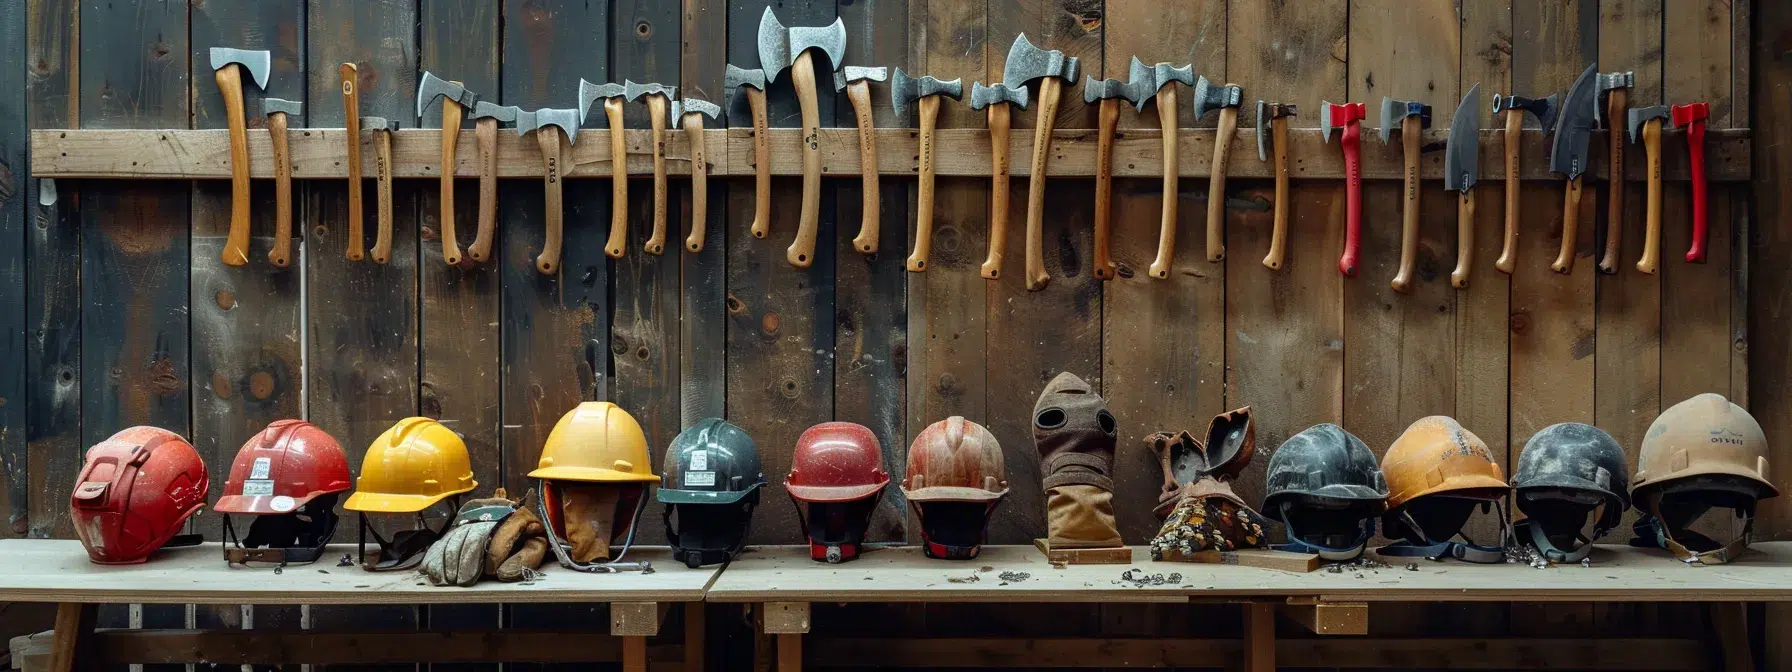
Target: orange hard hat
[1436, 455]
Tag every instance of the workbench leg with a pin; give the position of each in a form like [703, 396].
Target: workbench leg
[74, 622]
[1730, 621]
[1259, 637]
[634, 654]
[695, 639]
[790, 652]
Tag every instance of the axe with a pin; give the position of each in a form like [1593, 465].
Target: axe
[1272, 123]
[382, 172]
[429, 90]
[688, 115]
[1515, 107]
[927, 91]
[548, 125]
[351, 110]
[1462, 166]
[1346, 120]
[997, 99]
[1617, 107]
[612, 95]
[1692, 118]
[1025, 64]
[277, 111]
[486, 117]
[783, 48]
[659, 98]
[1568, 156]
[228, 66]
[1109, 93]
[752, 83]
[1227, 99]
[856, 82]
[1646, 122]
[1413, 117]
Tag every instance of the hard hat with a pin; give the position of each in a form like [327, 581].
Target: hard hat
[836, 477]
[1436, 455]
[1567, 471]
[135, 491]
[710, 483]
[596, 442]
[956, 478]
[283, 467]
[1704, 436]
[1325, 487]
[410, 467]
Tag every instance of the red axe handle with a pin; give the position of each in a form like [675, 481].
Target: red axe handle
[1353, 198]
[1695, 144]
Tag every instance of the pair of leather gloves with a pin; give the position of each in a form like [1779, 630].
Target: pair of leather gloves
[495, 536]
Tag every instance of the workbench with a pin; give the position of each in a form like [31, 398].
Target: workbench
[785, 582]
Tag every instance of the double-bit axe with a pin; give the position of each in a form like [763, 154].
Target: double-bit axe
[612, 95]
[751, 83]
[659, 99]
[1272, 124]
[1108, 93]
[926, 92]
[1346, 120]
[997, 100]
[228, 66]
[1568, 156]
[1462, 167]
[1514, 108]
[688, 115]
[783, 48]
[1692, 118]
[1026, 63]
[1226, 99]
[1413, 118]
[456, 99]
[1155, 83]
[486, 117]
[1618, 84]
[277, 111]
[856, 82]
[548, 125]
[1646, 124]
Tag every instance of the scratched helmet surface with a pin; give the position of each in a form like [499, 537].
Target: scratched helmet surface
[410, 467]
[596, 442]
[836, 479]
[135, 491]
[283, 467]
[1705, 436]
[1435, 456]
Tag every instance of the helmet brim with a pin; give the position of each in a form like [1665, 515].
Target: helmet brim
[591, 475]
[1348, 491]
[672, 496]
[1566, 482]
[952, 494]
[261, 505]
[1746, 474]
[379, 502]
[1466, 486]
[840, 493]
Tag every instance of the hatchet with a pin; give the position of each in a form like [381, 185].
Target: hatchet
[1692, 118]
[783, 48]
[277, 111]
[382, 172]
[612, 95]
[1514, 108]
[1207, 96]
[1617, 107]
[486, 117]
[1462, 157]
[227, 69]
[926, 91]
[1413, 118]
[1646, 123]
[659, 98]
[351, 113]
[1568, 157]
[997, 99]
[548, 125]
[688, 115]
[1025, 64]
[856, 82]
[1346, 120]
[751, 83]
[1272, 124]
[1108, 93]
[1155, 83]
[456, 99]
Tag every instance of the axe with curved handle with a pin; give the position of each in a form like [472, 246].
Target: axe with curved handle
[1049, 90]
[382, 170]
[693, 129]
[1166, 231]
[999, 123]
[548, 138]
[451, 114]
[1701, 232]
[1278, 237]
[1216, 180]
[486, 131]
[801, 253]
[1410, 141]
[656, 110]
[618, 241]
[230, 84]
[1564, 262]
[859, 92]
[1509, 249]
[1616, 105]
[929, 108]
[762, 164]
[1651, 258]
[1104, 185]
[1353, 198]
[351, 101]
[281, 255]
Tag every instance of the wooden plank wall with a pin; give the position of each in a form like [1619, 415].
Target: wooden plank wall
[115, 308]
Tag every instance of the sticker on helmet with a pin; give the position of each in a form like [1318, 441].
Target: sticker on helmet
[699, 460]
[263, 488]
[282, 504]
[260, 468]
[700, 478]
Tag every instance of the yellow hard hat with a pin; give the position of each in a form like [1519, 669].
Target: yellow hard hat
[1436, 455]
[1704, 436]
[596, 442]
[413, 465]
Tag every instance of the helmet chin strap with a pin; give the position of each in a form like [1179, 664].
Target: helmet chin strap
[1433, 548]
[615, 565]
[698, 557]
[1298, 544]
[1664, 538]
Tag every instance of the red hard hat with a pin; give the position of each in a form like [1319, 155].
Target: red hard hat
[836, 462]
[134, 493]
[283, 467]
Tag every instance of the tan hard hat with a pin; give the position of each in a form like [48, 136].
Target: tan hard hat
[1703, 436]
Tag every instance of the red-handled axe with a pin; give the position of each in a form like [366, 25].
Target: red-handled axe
[1347, 119]
[1692, 118]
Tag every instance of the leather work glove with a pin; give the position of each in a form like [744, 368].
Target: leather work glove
[518, 545]
[458, 558]
[590, 512]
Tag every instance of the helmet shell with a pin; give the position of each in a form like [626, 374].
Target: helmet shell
[836, 462]
[1703, 436]
[1575, 456]
[711, 462]
[410, 467]
[282, 468]
[135, 491]
[1436, 455]
[955, 460]
[596, 442]
[1324, 461]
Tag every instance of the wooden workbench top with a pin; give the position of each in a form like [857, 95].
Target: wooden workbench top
[1618, 574]
[40, 570]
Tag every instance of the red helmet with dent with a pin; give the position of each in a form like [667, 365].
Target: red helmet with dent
[134, 493]
[836, 478]
[281, 468]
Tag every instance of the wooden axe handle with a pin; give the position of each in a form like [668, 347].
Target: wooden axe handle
[1166, 228]
[1049, 90]
[230, 85]
[917, 260]
[762, 165]
[281, 255]
[801, 252]
[486, 131]
[617, 244]
[1616, 110]
[451, 114]
[1465, 239]
[1509, 249]
[548, 137]
[869, 216]
[1216, 180]
[1564, 262]
[999, 117]
[693, 130]
[656, 241]
[351, 102]
[382, 170]
[1409, 211]
[1278, 238]
[1104, 185]
[1652, 221]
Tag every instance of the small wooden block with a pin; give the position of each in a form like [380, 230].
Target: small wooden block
[31, 653]
[1252, 557]
[634, 619]
[1328, 618]
[786, 618]
[1120, 555]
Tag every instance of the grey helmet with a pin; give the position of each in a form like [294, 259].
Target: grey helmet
[1566, 472]
[1326, 487]
[710, 482]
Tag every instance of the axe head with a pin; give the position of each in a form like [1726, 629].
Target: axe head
[1687, 115]
[1607, 82]
[1147, 80]
[854, 73]
[1105, 89]
[432, 87]
[1463, 153]
[256, 62]
[291, 108]
[1027, 63]
[379, 124]
[567, 120]
[488, 110]
[633, 91]
[1267, 112]
[693, 106]
[1208, 96]
[1335, 116]
[1395, 111]
[905, 89]
[588, 94]
[985, 96]
[1544, 109]
[779, 46]
[1642, 115]
[735, 77]
[1574, 126]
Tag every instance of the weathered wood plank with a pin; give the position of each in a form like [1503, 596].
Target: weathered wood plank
[14, 458]
[781, 326]
[703, 311]
[1285, 329]
[1770, 285]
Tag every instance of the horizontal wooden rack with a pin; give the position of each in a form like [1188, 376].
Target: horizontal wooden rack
[319, 154]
